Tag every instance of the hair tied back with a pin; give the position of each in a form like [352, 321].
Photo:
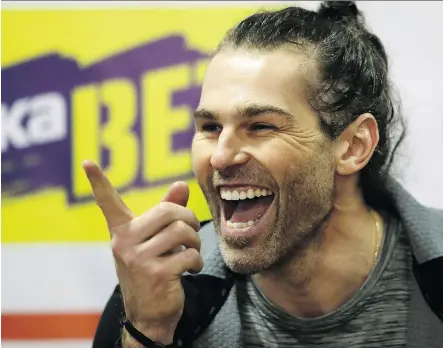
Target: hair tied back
[340, 11]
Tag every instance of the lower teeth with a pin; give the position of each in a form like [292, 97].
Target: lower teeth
[240, 225]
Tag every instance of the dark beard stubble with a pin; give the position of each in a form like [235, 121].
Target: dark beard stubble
[305, 202]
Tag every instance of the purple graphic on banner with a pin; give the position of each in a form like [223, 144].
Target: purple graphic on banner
[35, 131]
[37, 111]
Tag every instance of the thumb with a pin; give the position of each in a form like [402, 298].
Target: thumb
[178, 193]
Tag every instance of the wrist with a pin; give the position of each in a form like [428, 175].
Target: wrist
[158, 333]
[128, 341]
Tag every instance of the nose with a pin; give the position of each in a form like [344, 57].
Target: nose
[229, 151]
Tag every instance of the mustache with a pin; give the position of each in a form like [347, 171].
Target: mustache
[242, 173]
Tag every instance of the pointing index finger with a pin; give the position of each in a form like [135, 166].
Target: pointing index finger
[107, 198]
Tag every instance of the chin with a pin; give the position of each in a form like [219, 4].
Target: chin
[249, 256]
[248, 260]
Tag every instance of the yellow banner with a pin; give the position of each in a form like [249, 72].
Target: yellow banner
[114, 86]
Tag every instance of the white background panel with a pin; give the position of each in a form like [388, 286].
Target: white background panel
[56, 277]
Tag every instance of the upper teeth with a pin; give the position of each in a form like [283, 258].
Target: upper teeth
[235, 195]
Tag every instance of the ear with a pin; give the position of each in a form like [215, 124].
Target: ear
[355, 146]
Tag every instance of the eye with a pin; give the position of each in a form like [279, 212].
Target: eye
[262, 126]
[211, 128]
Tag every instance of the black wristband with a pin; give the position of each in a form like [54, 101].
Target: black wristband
[142, 339]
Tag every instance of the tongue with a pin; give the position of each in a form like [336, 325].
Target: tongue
[251, 209]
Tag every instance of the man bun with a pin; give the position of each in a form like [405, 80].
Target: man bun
[341, 11]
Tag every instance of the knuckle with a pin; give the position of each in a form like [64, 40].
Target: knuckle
[180, 227]
[165, 207]
[122, 252]
[135, 227]
[117, 246]
[193, 254]
[194, 217]
[195, 260]
[155, 270]
[185, 234]
[192, 214]
[195, 221]
[193, 237]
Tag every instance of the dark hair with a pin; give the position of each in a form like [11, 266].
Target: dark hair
[353, 75]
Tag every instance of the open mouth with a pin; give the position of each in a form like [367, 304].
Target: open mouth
[243, 208]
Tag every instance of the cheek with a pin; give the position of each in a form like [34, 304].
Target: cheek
[201, 155]
[277, 157]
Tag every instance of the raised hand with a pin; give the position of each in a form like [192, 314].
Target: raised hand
[151, 253]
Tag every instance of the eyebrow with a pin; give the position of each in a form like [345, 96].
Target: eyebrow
[249, 111]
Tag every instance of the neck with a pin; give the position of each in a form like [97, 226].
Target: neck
[332, 267]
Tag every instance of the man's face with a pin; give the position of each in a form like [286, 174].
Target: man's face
[264, 165]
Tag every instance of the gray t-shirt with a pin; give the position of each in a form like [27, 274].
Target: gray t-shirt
[376, 316]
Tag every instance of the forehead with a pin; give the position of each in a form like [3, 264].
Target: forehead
[237, 78]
